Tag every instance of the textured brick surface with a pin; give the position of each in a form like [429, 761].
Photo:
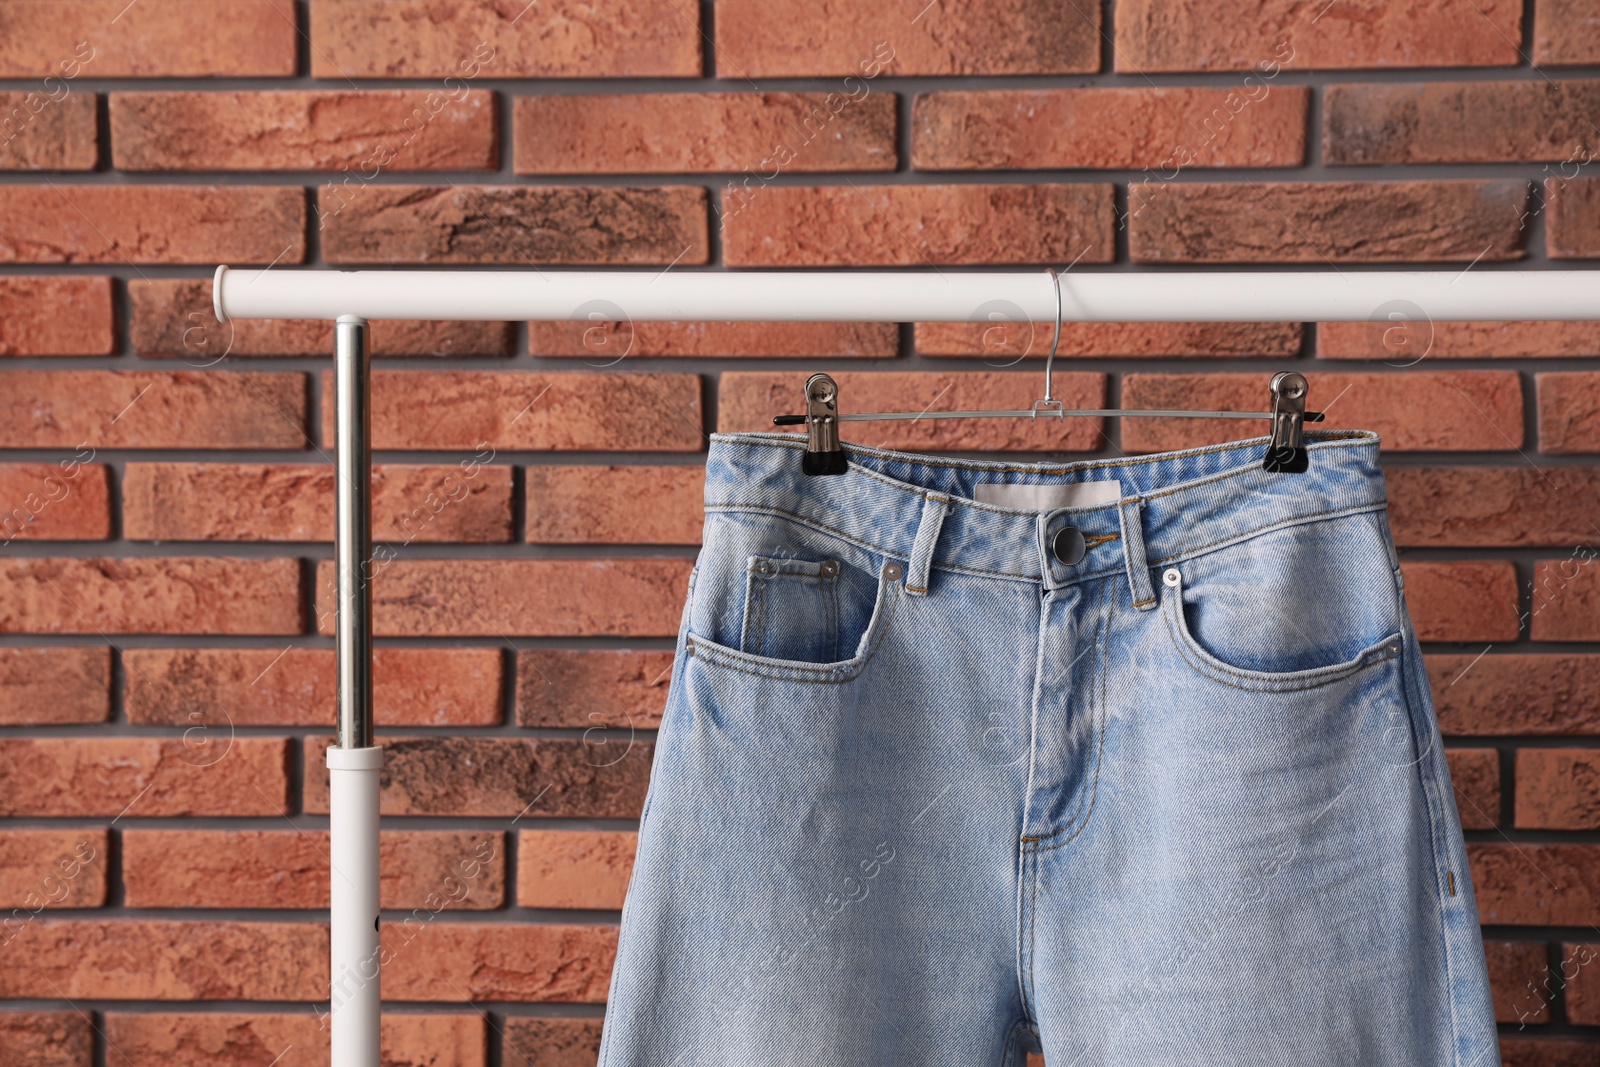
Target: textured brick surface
[42, 869]
[211, 1039]
[1520, 981]
[801, 38]
[1059, 128]
[602, 505]
[47, 1038]
[166, 595]
[1462, 600]
[601, 342]
[1475, 774]
[848, 129]
[1516, 693]
[1006, 338]
[261, 502]
[519, 226]
[55, 685]
[917, 225]
[1327, 222]
[534, 962]
[1558, 789]
[1569, 412]
[215, 687]
[173, 317]
[434, 871]
[574, 868]
[1461, 122]
[1580, 966]
[552, 39]
[1526, 884]
[373, 129]
[1203, 35]
[48, 128]
[1565, 601]
[148, 39]
[592, 688]
[206, 772]
[747, 400]
[1418, 411]
[555, 412]
[65, 501]
[1572, 217]
[500, 777]
[205, 224]
[1545, 1052]
[1503, 506]
[1401, 341]
[554, 1042]
[55, 315]
[141, 959]
[1565, 32]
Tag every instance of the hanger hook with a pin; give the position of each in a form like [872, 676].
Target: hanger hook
[1055, 339]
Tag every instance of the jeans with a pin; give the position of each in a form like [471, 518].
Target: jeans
[1126, 761]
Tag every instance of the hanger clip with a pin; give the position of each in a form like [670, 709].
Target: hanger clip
[1286, 454]
[823, 454]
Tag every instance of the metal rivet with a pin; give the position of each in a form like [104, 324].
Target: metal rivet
[830, 568]
[1171, 576]
[762, 566]
[892, 571]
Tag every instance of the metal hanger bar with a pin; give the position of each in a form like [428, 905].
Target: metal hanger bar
[1176, 413]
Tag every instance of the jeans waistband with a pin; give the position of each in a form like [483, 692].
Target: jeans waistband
[925, 510]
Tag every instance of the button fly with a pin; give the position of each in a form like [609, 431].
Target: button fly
[1068, 545]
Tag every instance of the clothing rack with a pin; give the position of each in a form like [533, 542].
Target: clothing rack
[352, 298]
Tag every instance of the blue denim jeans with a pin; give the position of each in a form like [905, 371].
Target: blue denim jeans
[1127, 761]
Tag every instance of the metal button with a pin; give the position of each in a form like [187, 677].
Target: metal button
[892, 571]
[1069, 546]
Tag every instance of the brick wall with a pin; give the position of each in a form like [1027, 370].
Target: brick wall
[166, 652]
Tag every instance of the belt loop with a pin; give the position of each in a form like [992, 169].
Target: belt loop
[1131, 512]
[933, 509]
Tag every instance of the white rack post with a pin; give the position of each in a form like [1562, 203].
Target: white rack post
[351, 298]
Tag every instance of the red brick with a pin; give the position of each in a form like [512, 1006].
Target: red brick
[1413, 411]
[279, 502]
[377, 129]
[56, 315]
[212, 1039]
[171, 595]
[552, 1042]
[299, 686]
[1509, 694]
[206, 772]
[518, 225]
[1528, 884]
[152, 409]
[1566, 599]
[1492, 506]
[148, 39]
[602, 342]
[1400, 342]
[749, 400]
[1459, 122]
[47, 1038]
[173, 317]
[1558, 789]
[1001, 338]
[1545, 1052]
[1519, 978]
[592, 687]
[139, 959]
[1327, 222]
[1040, 129]
[51, 128]
[545, 412]
[688, 133]
[1201, 35]
[66, 684]
[1569, 412]
[52, 869]
[1475, 774]
[429, 870]
[826, 38]
[499, 777]
[574, 868]
[1463, 600]
[561, 39]
[66, 501]
[126, 224]
[917, 225]
[570, 504]
[1572, 228]
[1565, 33]
[522, 962]
[520, 597]
[1580, 968]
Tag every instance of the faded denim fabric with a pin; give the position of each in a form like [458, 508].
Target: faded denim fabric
[924, 794]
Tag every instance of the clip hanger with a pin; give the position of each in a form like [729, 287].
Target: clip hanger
[1286, 452]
